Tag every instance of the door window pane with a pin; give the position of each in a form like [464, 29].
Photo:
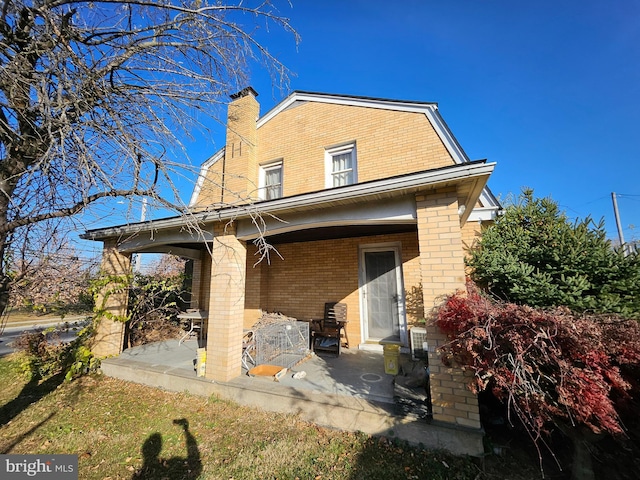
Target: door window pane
[382, 295]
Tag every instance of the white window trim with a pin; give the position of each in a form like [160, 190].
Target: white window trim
[262, 180]
[330, 152]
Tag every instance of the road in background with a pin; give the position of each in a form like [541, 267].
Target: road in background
[64, 331]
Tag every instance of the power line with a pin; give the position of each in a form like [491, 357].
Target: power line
[605, 197]
[635, 198]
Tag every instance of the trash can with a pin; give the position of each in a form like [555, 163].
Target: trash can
[391, 359]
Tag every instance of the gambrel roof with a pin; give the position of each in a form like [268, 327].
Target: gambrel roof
[489, 204]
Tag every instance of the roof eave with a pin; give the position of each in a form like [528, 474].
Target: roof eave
[394, 186]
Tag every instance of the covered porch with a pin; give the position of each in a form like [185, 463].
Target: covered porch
[350, 392]
[412, 226]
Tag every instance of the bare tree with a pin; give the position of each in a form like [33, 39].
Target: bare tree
[55, 278]
[166, 265]
[92, 93]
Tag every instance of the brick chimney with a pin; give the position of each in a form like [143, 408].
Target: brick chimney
[240, 162]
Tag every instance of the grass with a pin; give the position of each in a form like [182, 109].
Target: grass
[21, 317]
[122, 430]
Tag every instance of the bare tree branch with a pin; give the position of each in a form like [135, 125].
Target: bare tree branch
[92, 93]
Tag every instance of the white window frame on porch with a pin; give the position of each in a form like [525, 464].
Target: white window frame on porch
[396, 247]
[263, 187]
[332, 176]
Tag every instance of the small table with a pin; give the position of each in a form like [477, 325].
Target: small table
[197, 319]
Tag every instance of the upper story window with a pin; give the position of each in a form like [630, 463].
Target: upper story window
[271, 180]
[340, 165]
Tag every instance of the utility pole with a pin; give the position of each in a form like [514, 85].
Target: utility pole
[618, 224]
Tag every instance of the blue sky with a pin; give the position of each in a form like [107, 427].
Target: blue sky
[548, 90]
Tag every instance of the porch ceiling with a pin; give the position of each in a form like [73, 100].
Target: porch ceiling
[331, 233]
[196, 250]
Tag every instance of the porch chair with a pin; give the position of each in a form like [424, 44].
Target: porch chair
[327, 334]
[248, 349]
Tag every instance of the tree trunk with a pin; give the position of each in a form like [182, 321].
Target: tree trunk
[582, 463]
[5, 280]
[582, 466]
[4, 294]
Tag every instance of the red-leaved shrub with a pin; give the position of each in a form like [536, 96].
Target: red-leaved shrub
[549, 366]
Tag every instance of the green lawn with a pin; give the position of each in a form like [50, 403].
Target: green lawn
[121, 430]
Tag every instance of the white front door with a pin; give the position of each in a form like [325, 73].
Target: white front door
[381, 294]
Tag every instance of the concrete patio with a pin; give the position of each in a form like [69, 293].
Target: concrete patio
[350, 392]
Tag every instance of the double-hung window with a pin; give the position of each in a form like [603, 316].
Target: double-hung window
[341, 165]
[271, 180]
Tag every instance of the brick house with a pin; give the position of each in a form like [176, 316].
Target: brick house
[366, 201]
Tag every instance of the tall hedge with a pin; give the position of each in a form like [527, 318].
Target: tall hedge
[534, 255]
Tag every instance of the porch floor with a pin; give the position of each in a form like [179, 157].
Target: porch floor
[350, 392]
[356, 373]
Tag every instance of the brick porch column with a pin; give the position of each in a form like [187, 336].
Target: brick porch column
[226, 305]
[112, 300]
[443, 272]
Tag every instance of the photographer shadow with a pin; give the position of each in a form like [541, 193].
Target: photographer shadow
[34, 391]
[154, 467]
